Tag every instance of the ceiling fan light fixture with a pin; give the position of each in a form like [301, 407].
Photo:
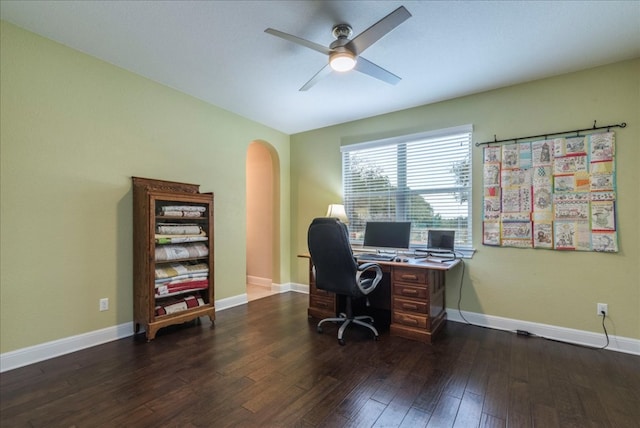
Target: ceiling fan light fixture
[344, 52]
[342, 61]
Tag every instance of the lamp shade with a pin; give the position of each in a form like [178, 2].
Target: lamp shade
[337, 211]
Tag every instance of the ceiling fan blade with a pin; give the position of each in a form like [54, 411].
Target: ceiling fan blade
[378, 30]
[299, 41]
[324, 71]
[367, 67]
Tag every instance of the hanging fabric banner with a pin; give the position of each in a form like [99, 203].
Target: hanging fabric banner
[553, 194]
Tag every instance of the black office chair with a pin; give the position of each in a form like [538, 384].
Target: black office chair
[336, 270]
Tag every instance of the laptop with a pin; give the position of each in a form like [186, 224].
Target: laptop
[441, 240]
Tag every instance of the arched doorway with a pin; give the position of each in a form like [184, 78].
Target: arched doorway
[262, 178]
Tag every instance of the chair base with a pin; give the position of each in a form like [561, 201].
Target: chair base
[359, 320]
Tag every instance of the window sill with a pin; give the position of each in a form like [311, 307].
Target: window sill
[465, 253]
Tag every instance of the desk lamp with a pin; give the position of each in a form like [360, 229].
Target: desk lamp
[337, 211]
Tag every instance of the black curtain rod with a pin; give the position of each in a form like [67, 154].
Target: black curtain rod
[576, 131]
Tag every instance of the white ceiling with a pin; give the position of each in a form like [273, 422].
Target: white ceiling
[217, 51]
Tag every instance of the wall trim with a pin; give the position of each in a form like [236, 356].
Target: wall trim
[259, 281]
[56, 348]
[299, 288]
[231, 302]
[44, 351]
[580, 337]
[290, 286]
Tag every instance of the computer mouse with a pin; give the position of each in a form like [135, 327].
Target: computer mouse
[405, 260]
[397, 259]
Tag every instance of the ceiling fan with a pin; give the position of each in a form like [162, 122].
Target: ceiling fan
[344, 53]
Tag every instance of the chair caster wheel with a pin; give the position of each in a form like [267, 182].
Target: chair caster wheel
[319, 330]
[341, 342]
[376, 338]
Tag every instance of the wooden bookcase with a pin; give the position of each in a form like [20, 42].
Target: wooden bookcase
[165, 239]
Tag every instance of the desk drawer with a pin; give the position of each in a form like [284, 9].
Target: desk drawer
[318, 292]
[324, 303]
[413, 276]
[412, 291]
[417, 321]
[412, 306]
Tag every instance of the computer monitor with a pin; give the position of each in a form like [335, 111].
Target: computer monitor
[387, 234]
[441, 240]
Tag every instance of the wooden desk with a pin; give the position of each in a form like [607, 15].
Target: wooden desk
[417, 291]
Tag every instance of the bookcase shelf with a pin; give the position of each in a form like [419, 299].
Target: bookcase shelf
[150, 198]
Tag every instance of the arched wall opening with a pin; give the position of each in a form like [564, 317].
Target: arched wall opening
[263, 217]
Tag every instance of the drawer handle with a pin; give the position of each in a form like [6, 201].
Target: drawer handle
[409, 291]
[410, 321]
[410, 307]
[322, 304]
[407, 276]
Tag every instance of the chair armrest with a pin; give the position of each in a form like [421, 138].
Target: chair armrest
[367, 285]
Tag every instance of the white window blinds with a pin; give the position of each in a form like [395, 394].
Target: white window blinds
[423, 178]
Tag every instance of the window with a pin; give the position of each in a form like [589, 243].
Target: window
[423, 178]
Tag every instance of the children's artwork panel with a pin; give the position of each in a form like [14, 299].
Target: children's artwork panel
[555, 194]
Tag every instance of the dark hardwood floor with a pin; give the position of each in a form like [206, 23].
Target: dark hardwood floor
[263, 364]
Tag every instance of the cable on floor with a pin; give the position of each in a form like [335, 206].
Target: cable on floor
[524, 332]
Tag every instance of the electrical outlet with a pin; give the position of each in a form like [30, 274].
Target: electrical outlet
[104, 304]
[603, 307]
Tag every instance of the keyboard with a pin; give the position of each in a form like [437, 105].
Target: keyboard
[375, 257]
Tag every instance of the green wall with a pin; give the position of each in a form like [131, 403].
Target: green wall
[540, 286]
[73, 131]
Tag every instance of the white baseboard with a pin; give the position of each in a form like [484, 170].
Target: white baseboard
[580, 337]
[300, 288]
[231, 302]
[260, 282]
[44, 351]
[56, 348]
[290, 286]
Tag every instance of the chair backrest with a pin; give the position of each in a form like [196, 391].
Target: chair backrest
[336, 268]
